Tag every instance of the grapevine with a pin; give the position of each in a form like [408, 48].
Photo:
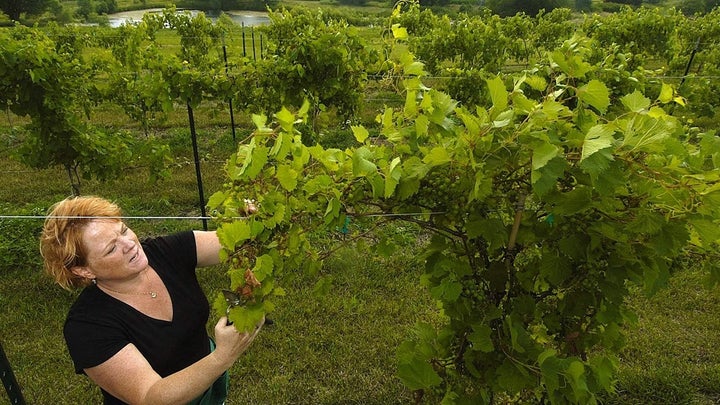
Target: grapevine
[542, 205]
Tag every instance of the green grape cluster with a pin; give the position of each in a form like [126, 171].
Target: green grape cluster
[443, 190]
[473, 291]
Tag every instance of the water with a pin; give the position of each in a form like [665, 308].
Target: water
[249, 18]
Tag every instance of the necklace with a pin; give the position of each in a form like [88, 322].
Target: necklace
[152, 294]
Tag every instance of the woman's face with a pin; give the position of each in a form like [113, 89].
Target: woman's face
[113, 251]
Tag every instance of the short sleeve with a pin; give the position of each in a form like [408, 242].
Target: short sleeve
[92, 340]
[176, 251]
[105, 345]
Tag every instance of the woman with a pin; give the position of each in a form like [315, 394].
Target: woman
[138, 327]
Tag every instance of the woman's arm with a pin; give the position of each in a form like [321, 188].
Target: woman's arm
[128, 376]
[208, 248]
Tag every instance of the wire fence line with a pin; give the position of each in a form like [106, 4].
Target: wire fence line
[197, 218]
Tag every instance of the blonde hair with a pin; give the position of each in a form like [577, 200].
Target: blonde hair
[61, 240]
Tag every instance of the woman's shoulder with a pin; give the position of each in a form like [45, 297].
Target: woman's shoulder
[177, 249]
[91, 302]
[179, 240]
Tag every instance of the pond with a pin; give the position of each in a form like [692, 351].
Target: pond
[248, 18]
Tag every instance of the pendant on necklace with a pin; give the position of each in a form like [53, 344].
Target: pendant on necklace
[153, 294]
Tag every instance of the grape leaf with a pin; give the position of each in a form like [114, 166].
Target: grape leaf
[244, 318]
[233, 234]
[604, 369]
[707, 229]
[595, 94]
[481, 338]
[418, 375]
[635, 101]
[522, 103]
[257, 161]
[362, 166]
[437, 156]
[504, 119]
[543, 154]
[411, 107]
[217, 199]
[263, 267]
[392, 176]
[498, 94]
[554, 268]
[399, 32]
[287, 177]
[666, 93]
[415, 68]
[510, 377]
[286, 119]
[598, 137]
[646, 133]
[536, 82]
[572, 202]
[576, 371]
[551, 368]
[260, 121]
[544, 179]
[448, 290]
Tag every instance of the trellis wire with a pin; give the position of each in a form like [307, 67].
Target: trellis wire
[198, 218]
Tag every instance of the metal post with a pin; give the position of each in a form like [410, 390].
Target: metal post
[196, 155]
[692, 56]
[243, 38]
[8, 378]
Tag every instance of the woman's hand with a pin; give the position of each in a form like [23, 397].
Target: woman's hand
[231, 343]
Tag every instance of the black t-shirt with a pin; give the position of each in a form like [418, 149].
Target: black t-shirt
[98, 325]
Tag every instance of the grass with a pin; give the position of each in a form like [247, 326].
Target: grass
[673, 353]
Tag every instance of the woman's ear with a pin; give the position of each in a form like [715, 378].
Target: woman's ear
[82, 271]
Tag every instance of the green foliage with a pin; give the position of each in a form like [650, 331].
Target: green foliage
[12, 236]
[415, 20]
[309, 57]
[645, 31]
[697, 46]
[482, 42]
[508, 8]
[84, 8]
[583, 5]
[543, 203]
[352, 2]
[15, 8]
[48, 81]
[106, 6]
[629, 2]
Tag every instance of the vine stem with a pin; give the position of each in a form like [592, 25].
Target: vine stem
[510, 253]
[519, 209]
[329, 253]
